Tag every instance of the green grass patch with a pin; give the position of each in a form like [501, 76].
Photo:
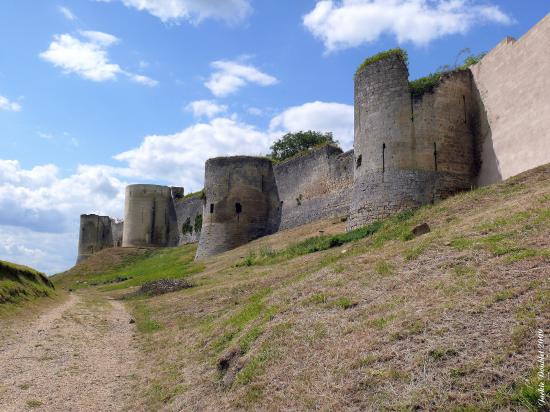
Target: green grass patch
[255, 310]
[527, 392]
[310, 245]
[144, 321]
[344, 303]
[382, 322]
[316, 299]
[20, 283]
[424, 84]
[400, 53]
[167, 263]
[438, 354]
[34, 403]
[254, 367]
[199, 194]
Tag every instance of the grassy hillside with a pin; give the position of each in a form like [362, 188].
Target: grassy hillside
[376, 319]
[20, 283]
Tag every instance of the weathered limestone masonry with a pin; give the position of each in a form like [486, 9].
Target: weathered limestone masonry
[513, 81]
[189, 216]
[117, 229]
[409, 150]
[316, 185]
[149, 217]
[96, 233]
[474, 127]
[241, 203]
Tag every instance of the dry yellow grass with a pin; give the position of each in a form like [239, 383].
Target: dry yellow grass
[444, 321]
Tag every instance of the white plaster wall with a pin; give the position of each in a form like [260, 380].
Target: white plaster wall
[513, 81]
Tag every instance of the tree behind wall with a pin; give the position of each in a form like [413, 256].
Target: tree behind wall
[292, 144]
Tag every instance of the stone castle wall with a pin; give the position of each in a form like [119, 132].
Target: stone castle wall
[513, 84]
[189, 217]
[474, 127]
[314, 186]
[409, 150]
[95, 235]
[240, 205]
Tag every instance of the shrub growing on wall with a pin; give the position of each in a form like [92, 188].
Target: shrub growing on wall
[292, 144]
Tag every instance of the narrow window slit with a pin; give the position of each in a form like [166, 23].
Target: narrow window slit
[435, 156]
[383, 157]
[464, 105]
[211, 207]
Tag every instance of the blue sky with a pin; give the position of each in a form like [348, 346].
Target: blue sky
[96, 94]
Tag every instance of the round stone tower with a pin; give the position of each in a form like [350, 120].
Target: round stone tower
[95, 235]
[149, 217]
[410, 148]
[241, 203]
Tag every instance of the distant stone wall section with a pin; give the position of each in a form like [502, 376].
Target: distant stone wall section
[409, 150]
[314, 186]
[189, 216]
[241, 203]
[95, 235]
[117, 230]
[513, 82]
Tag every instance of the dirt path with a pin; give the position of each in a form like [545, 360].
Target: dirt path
[79, 356]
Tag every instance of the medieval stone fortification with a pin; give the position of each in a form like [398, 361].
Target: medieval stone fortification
[409, 150]
[315, 185]
[97, 233]
[475, 126]
[241, 203]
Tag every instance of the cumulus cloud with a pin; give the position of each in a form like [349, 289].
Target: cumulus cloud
[194, 11]
[9, 106]
[320, 116]
[48, 252]
[141, 79]
[42, 201]
[88, 58]
[230, 76]
[350, 23]
[179, 158]
[205, 108]
[67, 13]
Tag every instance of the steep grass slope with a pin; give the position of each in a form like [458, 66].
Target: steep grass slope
[378, 319]
[20, 283]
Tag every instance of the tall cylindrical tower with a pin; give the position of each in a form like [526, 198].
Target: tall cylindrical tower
[382, 138]
[149, 217]
[411, 148]
[241, 203]
[95, 235]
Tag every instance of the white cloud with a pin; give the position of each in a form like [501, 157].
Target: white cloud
[319, 116]
[194, 11]
[39, 210]
[67, 13]
[141, 79]
[229, 76]
[8, 105]
[179, 158]
[100, 38]
[350, 23]
[88, 57]
[205, 108]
